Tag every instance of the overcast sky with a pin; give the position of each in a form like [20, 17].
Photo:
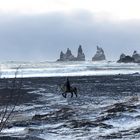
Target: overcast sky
[40, 29]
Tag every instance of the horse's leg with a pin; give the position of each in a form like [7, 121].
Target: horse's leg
[75, 93]
[64, 94]
[71, 94]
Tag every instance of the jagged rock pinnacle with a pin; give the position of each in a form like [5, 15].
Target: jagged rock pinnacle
[99, 56]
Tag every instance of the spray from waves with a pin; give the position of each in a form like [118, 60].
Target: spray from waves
[53, 69]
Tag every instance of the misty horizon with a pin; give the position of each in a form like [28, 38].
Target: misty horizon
[41, 36]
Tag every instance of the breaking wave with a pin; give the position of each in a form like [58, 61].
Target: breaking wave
[54, 69]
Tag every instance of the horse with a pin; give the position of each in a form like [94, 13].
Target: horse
[72, 90]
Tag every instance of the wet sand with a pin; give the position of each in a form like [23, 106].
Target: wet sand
[97, 112]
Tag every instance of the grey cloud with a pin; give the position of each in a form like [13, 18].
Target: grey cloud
[42, 37]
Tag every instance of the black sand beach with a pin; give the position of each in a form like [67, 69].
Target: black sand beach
[107, 107]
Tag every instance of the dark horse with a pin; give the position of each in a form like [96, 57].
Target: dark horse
[67, 88]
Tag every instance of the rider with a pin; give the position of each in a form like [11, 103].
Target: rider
[67, 84]
[69, 89]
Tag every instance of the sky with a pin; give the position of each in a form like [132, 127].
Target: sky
[37, 30]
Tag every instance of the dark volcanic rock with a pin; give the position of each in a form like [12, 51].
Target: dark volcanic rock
[99, 56]
[126, 59]
[122, 56]
[80, 55]
[136, 57]
[116, 110]
[62, 55]
[105, 117]
[87, 123]
[62, 114]
[68, 56]
[112, 136]
[24, 123]
[121, 107]
[137, 130]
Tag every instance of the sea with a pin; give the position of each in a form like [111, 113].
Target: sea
[72, 68]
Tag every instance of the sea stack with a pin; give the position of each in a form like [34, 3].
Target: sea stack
[136, 57]
[125, 59]
[99, 56]
[62, 55]
[68, 56]
[80, 55]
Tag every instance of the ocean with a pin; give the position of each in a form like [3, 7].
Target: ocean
[54, 69]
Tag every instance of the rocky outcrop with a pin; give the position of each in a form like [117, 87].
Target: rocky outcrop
[135, 58]
[126, 59]
[99, 56]
[64, 113]
[80, 55]
[68, 56]
[122, 56]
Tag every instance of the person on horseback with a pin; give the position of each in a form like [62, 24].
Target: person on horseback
[67, 84]
[67, 88]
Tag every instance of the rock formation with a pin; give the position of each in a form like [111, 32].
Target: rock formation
[80, 55]
[99, 56]
[135, 58]
[126, 59]
[122, 56]
[62, 55]
[68, 56]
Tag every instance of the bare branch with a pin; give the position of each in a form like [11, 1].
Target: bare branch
[16, 88]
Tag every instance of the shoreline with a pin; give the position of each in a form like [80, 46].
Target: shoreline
[73, 76]
[67, 69]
